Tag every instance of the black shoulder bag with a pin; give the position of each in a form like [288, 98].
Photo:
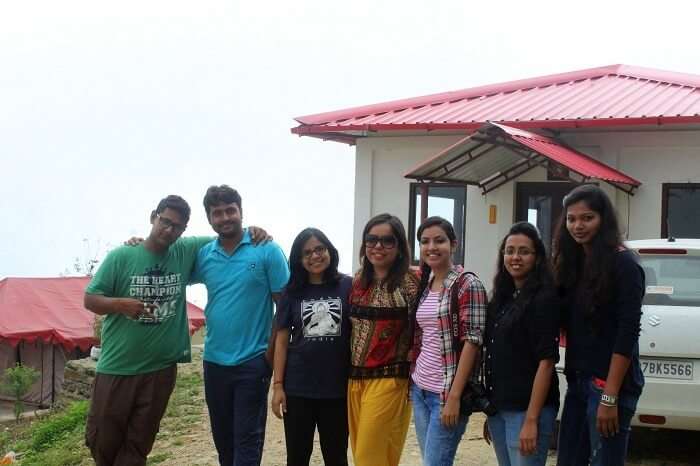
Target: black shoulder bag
[474, 397]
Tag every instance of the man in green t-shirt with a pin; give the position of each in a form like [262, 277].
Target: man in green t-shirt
[141, 292]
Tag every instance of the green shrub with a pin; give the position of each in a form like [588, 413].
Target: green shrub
[16, 382]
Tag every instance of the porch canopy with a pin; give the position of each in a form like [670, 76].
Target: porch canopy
[496, 154]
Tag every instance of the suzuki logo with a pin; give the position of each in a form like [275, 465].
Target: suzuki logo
[654, 320]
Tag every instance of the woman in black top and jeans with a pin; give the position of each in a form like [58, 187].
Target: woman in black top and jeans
[521, 350]
[312, 352]
[602, 285]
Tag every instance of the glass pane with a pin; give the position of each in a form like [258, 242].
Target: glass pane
[541, 208]
[437, 206]
[683, 219]
[447, 202]
[416, 251]
[532, 216]
[672, 280]
[441, 207]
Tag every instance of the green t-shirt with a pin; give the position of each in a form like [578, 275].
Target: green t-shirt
[138, 346]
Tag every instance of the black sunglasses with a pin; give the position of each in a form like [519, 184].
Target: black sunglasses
[387, 242]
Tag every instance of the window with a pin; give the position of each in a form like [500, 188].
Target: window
[680, 210]
[446, 200]
[541, 203]
[672, 280]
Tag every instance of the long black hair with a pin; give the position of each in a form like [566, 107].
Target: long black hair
[538, 278]
[594, 272]
[400, 266]
[449, 230]
[299, 277]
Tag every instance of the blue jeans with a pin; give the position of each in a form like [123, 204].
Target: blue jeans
[580, 443]
[237, 401]
[438, 444]
[505, 427]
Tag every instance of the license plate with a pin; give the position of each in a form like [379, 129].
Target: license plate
[665, 369]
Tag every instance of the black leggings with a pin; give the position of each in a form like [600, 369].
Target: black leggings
[301, 419]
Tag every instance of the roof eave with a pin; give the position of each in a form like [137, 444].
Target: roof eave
[338, 132]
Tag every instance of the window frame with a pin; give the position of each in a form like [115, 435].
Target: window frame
[413, 193]
[665, 188]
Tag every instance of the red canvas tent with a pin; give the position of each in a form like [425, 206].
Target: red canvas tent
[43, 324]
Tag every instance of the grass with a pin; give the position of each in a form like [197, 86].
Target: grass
[185, 406]
[158, 458]
[58, 438]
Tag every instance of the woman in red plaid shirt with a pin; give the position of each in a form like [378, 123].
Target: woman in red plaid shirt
[439, 371]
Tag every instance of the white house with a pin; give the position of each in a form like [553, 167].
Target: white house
[488, 156]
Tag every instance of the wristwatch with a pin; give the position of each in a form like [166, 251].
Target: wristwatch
[608, 400]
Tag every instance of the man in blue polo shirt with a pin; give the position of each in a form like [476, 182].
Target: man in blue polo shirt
[242, 281]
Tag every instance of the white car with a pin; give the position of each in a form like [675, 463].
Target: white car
[669, 345]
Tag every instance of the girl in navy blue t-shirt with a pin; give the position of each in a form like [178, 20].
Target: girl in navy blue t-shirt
[312, 352]
[602, 285]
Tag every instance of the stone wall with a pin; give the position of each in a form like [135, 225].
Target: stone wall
[78, 377]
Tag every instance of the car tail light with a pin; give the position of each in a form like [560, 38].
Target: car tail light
[649, 419]
[679, 252]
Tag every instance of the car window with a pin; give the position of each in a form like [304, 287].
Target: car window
[672, 280]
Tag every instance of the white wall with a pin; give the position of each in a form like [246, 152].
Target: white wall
[653, 158]
[380, 185]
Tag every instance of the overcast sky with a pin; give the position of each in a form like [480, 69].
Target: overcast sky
[106, 107]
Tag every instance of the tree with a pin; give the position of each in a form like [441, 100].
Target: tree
[87, 264]
[16, 382]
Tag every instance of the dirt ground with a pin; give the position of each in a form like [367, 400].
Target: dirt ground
[198, 448]
[657, 448]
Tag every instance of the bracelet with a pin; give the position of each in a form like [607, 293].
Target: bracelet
[608, 405]
[277, 382]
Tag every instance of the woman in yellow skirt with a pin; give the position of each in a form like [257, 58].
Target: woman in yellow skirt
[383, 295]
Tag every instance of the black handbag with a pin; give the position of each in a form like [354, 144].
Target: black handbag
[474, 397]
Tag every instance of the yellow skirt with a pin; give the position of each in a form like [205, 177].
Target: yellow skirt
[379, 413]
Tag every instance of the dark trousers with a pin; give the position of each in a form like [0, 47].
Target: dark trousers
[580, 444]
[301, 419]
[237, 401]
[125, 414]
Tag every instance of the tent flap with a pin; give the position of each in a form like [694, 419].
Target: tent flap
[51, 310]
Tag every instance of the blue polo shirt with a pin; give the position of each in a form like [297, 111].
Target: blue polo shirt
[239, 304]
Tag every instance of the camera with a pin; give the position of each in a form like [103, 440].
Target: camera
[474, 400]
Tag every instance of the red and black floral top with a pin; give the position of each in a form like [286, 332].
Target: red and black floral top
[381, 330]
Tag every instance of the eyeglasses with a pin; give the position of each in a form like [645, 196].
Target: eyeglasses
[166, 223]
[522, 252]
[318, 250]
[387, 242]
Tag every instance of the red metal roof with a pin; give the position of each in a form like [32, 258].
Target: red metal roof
[607, 96]
[570, 158]
[51, 310]
[488, 159]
